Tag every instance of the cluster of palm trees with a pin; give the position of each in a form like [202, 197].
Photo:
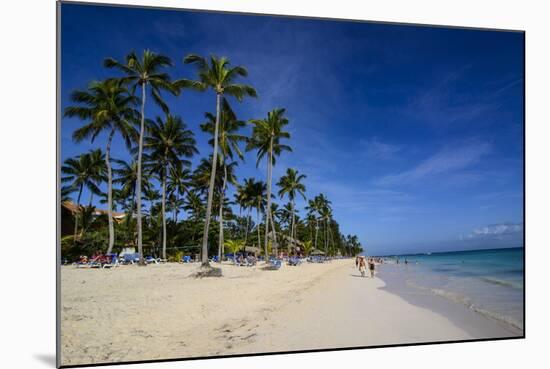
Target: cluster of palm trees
[160, 172]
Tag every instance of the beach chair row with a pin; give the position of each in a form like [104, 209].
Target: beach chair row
[113, 260]
[317, 259]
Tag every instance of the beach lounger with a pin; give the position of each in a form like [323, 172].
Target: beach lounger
[152, 260]
[294, 261]
[99, 261]
[250, 261]
[113, 261]
[83, 265]
[130, 258]
[274, 264]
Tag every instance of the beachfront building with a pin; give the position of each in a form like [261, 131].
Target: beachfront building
[70, 210]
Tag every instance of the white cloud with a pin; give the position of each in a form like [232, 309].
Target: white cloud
[496, 231]
[451, 159]
[374, 148]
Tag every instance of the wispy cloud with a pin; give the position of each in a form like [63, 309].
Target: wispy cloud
[449, 160]
[350, 199]
[376, 149]
[444, 102]
[496, 231]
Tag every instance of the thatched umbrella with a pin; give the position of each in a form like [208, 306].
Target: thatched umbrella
[252, 249]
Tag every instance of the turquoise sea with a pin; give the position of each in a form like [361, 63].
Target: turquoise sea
[489, 282]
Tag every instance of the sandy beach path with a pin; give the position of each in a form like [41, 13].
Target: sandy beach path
[346, 310]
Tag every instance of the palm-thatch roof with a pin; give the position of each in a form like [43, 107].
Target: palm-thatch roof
[75, 209]
[287, 238]
[252, 249]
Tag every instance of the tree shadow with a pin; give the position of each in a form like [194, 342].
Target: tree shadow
[48, 359]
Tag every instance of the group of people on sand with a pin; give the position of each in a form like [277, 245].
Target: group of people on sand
[361, 262]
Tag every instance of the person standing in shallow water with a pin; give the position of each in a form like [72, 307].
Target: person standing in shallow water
[371, 267]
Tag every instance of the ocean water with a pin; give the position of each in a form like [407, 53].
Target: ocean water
[489, 282]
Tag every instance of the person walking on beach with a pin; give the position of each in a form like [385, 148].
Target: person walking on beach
[362, 265]
[357, 261]
[371, 267]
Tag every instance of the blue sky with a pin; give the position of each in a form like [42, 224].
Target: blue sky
[414, 133]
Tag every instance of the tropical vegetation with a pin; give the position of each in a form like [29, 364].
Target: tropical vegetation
[169, 200]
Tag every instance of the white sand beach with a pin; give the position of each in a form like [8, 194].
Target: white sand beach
[134, 313]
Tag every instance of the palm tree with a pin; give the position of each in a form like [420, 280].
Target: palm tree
[167, 143]
[201, 176]
[150, 194]
[97, 168]
[228, 144]
[142, 73]
[286, 215]
[234, 246]
[290, 185]
[106, 107]
[82, 171]
[179, 181]
[325, 213]
[125, 175]
[308, 247]
[310, 220]
[243, 197]
[174, 203]
[257, 196]
[266, 136]
[193, 204]
[219, 77]
[313, 208]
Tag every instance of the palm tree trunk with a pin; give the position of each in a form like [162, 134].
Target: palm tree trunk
[268, 208]
[164, 211]
[258, 228]
[220, 230]
[246, 229]
[211, 186]
[77, 211]
[292, 224]
[194, 225]
[316, 231]
[273, 229]
[222, 197]
[174, 211]
[138, 179]
[326, 237]
[110, 193]
[330, 233]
